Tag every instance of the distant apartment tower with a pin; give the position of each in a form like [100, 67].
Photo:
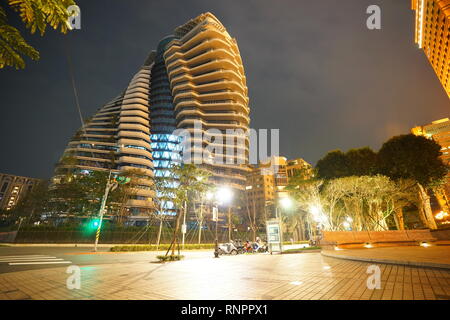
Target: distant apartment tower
[266, 182]
[14, 188]
[432, 34]
[117, 139]
[439, 131]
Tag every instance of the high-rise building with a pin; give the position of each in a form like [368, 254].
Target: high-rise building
[194, 81]
[14, 188]
[210, 93]
[432, 34]
[266, 182]
[117, 139]
[439, 131]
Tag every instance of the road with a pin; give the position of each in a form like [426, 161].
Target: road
[14, 259]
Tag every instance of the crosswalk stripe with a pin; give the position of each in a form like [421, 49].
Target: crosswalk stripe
[30, 260]
[24, 255]
[49, 262]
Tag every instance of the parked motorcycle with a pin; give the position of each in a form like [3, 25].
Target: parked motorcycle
[228, 248]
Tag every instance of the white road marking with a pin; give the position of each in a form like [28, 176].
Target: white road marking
[24, 255]
[29, 258]
[49, 262]
[32, 259]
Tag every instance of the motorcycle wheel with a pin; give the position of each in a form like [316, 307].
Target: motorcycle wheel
[221, 252]
[233, 252]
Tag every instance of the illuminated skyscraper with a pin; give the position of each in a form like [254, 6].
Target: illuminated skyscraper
[439, 131]
[432, 34]
[195, 77]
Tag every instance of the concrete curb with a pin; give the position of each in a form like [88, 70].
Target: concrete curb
[390, 261]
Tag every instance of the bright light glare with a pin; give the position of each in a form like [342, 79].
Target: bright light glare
[314, 210]
[286, 202]
[346, 224]
[424, 244]
[326, 267]
[368, 245]
[349, 219]
[296, 283]
[224, 195]
[209, 195]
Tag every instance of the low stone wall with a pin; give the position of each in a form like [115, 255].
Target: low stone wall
[441, 234]
[380, 238]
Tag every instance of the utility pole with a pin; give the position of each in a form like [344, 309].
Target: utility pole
[216, 241]
[229, 223]
[110, 186]
[183, 227]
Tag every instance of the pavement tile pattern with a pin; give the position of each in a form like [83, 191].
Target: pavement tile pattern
[306, 276]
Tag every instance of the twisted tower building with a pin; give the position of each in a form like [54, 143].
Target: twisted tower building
[194, 81]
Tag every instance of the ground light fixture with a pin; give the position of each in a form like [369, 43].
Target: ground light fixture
[368, 245]
[424, 244]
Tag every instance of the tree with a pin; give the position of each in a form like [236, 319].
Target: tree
[355, 162]
[416, 158]
[36, 15]
[34, 201]
[333, 165]
[191, 180]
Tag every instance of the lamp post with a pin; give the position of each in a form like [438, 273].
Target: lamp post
[285, 203]
[223, 196]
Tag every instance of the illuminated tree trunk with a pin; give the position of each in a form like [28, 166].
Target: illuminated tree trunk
[399, 220]
[441, 198]
[428, 214]
[159, 233]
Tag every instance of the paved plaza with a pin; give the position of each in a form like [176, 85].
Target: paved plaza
[302, 276]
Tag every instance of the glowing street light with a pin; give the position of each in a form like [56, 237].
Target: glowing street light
[224, 195]
[286, 202]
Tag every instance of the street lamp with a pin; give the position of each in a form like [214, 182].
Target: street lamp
[285, 203]
[223, 195]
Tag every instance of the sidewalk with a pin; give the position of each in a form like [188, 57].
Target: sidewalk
[434, 256]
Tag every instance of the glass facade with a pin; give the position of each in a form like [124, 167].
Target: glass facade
[166, 146]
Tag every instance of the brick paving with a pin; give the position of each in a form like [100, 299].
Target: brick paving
[303, 276]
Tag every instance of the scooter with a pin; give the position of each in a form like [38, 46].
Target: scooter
[228, 248]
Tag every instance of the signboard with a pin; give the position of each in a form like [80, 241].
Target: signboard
[183, 228]
[215, 213]
[273, 235]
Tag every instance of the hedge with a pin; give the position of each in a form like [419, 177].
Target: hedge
[165, 246]
[153, 247]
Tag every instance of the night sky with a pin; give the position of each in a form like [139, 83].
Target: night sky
[313, 70]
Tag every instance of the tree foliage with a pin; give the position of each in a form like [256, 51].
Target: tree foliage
[355, 162]
[36, 15]
[412, 157]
